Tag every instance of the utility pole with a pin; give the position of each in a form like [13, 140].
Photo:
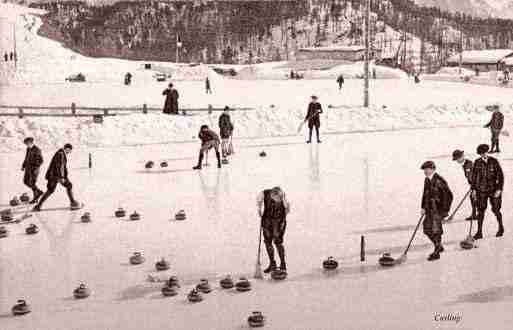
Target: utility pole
[367, 55]
[461, 50]
[15, 53]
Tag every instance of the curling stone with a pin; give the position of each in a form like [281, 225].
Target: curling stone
[243, 285]
[279, 274]
[162, 264]
[149, 164]
[194, 296]
[135, 216]
[169, 290]
[7, 215]
[262, 154]
[467, 244]
[14, 201]
[3, 232]
[386, 260]
[32, 229]
[204, 286]
[137, 258]
[24, 198]
[180, 215]
[81, 292]
[86, 217]
[256, 320]
[163, 164]
[330, 264]
[21, 308]
[224, 161]
[227, 282]
[173, 280]
[120, 213]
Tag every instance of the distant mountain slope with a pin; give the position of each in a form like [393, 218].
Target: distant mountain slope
[481, 8]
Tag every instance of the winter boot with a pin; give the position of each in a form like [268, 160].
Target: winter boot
[309, 136]
[434, 256]
[271, 267]
[317, 133]
[281, 254]
[37, 193]
[479, 233]
[200, 161]
[500, 232]
[218, 155]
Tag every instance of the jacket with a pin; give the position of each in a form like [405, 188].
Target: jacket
[58, 167]
[487, 176]
[33, 158]
[437, 196]
[497, 121]
[208, 135]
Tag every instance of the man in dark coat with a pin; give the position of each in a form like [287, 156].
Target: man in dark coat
[209, 139]
[273, 222]
[495, 124]
[487, 184]
[340, 81]
[225, 130]
[171, 104]
[459, 157]
[313, 118]
[436, 203]
[31, 166]
[58, 173]
[208, 88]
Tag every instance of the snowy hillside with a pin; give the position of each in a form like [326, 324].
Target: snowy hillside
[478, 8]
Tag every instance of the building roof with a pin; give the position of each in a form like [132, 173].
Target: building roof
[487, 56]
[508, 61]
[355, 48]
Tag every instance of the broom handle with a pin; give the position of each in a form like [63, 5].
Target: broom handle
[413, 236]
[459, 205]
[259, 244]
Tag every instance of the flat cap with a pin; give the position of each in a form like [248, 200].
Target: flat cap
[482, 148]
[457, 154]
[428, 164]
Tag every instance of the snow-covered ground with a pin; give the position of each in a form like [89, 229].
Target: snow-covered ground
[364, 179]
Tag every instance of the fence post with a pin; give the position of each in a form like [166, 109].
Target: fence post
[73, 108]
[106, 112]
[145, 108]
[20, 112]
[210, 108]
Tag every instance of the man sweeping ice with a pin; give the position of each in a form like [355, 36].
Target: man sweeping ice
[273, 224]
[436, 203]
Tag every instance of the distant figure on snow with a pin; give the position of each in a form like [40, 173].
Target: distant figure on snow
[436, 203]
[226, 131]
[6, 57]
[313, 118]
[171, 104]
[416, 78]
[487, 183]
[209, 139]
[495, 124]
[273, 221]
[128, 78]
[340, 81]
[208, 88]
[58, 173]
[459, 157]
[31, 166]
[11, 56]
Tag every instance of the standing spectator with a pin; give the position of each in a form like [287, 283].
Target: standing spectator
[171, 103]
[225, 130]
[31, 166]
[6, 57]
[128, 78]
[11, 56]
[208, 88]
[340, 81]
[313, 118]
[495, 124]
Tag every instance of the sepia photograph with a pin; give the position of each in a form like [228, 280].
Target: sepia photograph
[240, 164]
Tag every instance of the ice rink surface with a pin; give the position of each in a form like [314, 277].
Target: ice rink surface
[351, 185]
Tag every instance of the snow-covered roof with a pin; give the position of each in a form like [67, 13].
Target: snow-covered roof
[490, 56]
[355, 48]
[508, 61]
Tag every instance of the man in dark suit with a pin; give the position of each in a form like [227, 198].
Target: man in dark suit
[58, 173]
[171, 104]
[31, 166]
[459, 157]
[495, 124]
[436, 203]
[487, 184]
[314, 119]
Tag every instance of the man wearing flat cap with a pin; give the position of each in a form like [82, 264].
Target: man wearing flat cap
[313, 118]
[436, 203]
[487, 184]
[31, 166]
[459, 157]
[274, 213]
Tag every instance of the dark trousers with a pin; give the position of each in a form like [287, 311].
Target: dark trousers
[52, 185]
[482, 198]
[30, 179]
[273, 231]
[311, 127]
[473, 205]
[432, 226]
[495, 139]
